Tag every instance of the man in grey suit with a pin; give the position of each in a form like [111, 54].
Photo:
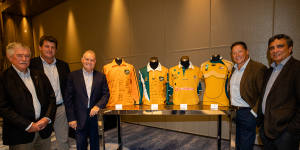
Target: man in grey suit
[279, 110]
[245, 89]
[57, 72]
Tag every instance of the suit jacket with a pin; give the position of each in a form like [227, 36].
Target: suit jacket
[282, 110]
[16, 106]
[62, 69]
[76, 100]
[252, 82]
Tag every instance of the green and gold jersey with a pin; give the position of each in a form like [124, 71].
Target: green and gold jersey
[153, 85]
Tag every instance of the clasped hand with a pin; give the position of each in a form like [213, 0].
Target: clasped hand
[39, 125]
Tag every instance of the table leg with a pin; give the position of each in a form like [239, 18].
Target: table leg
[219, 138]
[101, 130]
[119, 133]
[232, 130]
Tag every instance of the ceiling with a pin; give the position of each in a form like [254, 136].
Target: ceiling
[27, 7]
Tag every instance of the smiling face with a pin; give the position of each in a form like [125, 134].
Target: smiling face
[48, 50]
[279, 50]
[88, 61]
[20, 58]
[239, 55]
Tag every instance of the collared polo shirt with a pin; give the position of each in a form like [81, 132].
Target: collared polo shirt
[153, 85]
[185, 84]
[122, 83]
[215, 75]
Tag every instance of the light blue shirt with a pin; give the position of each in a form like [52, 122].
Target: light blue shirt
[88, 80]
[276, 70]
[52, 74]
[26, 78]
[236, 99]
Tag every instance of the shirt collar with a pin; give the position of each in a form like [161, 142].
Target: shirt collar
[190, 66]
[243, 67]
[158, 68]
[44, 62]
[20, 73]
[87, 73]
[282, 63]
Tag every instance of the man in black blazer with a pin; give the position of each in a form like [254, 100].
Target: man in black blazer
[245, 89]
[27, 103]
[87, 92]
[57, 72]
[279, 111]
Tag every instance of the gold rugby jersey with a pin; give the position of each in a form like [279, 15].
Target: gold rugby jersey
[215, 75]
[122, 83]
[185, 84]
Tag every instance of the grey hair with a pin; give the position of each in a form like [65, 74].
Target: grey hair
[11, 47]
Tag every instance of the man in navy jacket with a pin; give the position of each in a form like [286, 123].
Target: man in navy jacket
[87, 92]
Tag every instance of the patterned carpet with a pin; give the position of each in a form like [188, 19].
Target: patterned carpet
[137, 137]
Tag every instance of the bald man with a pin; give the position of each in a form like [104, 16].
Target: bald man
[87, 92]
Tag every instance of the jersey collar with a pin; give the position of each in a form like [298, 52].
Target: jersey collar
[158, 68]
[190, 66]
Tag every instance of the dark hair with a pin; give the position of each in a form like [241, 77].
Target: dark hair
[289, 41]
[239, 43]
[48, 38]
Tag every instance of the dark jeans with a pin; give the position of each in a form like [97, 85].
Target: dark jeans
[286, 141]
[245, 129]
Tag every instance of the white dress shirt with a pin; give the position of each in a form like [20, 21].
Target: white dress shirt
[52, 74]
[88, 80]
[26, 78]
[236, 99]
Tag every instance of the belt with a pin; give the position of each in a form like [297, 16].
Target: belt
[57, 105]
[238, 108]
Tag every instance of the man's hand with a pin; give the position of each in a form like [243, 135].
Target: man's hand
[73, 124]
[42, 123]
[34, 128]
[94, 111]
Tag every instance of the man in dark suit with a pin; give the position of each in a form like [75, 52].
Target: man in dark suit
[27, 104]
[57, 72]
[245, 89]
[279, 110]
[87, 92]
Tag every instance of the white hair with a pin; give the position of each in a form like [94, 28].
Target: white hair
[11, 48]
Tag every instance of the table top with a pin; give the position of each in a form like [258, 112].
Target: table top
[165, 110]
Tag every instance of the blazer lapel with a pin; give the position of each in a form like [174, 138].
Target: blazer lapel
[35, 80]
[22, 87]
[41, 64]
[82, 82]
[246, 73]
[281, 75]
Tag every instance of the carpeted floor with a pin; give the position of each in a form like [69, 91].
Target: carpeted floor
[137, 137]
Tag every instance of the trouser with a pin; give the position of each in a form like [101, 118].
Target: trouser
[245, 129]
[37, 144]
[61, 128]
[90, 131]
[286, 141]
